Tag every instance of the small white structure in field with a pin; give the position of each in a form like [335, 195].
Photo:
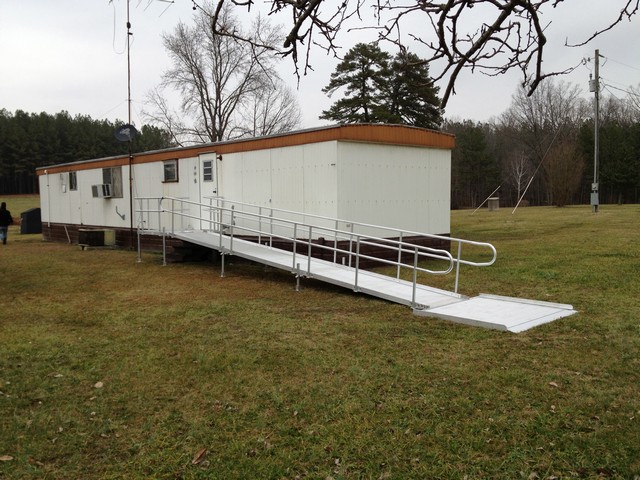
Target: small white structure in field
[389, 175]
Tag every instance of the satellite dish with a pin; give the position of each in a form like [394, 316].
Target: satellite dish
[126, 133]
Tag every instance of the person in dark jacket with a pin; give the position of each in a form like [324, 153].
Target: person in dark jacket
[5, 221]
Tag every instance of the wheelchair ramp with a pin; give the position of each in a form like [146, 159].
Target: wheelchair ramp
[363, 281]
[500, 313]
[488, 311]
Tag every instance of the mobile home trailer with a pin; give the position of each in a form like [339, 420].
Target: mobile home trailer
[391, 175]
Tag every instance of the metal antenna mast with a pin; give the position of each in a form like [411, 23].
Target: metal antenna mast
[131, 236]
[595, 87]
[128, 63]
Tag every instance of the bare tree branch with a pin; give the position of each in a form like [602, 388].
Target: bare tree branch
[162, 115]
[629, 10]
[512, 36]
[634, 101]
[218, 76]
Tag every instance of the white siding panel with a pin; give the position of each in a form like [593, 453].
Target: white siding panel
[103, 211]
[230, 176]
[188, 187]
[149, 182]
[92, 209]
[440, 186]
[287, 178]
[256, 177]
[61, 205]
[321, 179]
[400, 187]
[147, 179]
[298, 178]
[44, 201]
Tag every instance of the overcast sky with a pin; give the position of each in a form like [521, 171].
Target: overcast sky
[71, 55]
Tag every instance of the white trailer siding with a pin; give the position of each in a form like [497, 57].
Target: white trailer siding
[149, 181]
[60, 204]
[321, 179]
[395, 186]
[389, 175]
[301, 178]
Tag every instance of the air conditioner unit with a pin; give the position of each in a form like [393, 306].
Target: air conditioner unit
[101, 191]
[96, 237]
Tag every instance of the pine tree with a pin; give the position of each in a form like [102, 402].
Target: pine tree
[381, 89]
[412, 95]
[363, 73]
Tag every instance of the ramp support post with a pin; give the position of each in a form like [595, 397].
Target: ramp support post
[298, 277]
[233, 222]
[415, 277]
[355, 286]
[335, 245]
[351, 245]
[309, 252]
[173, 211]
[295, 243]
[399, 256]
[458, 267]
[164, 247]
[222, 264]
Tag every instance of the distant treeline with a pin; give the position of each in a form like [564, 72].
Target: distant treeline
[541, 150]
[491, 155]
[30, 140]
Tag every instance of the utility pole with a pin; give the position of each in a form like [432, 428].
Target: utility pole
[131, 236]
[595, 87]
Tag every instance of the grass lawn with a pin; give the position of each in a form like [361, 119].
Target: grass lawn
[111, 368]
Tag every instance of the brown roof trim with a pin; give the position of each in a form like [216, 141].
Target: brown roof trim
[368, 133]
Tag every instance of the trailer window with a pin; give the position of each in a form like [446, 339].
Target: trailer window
[113, 176]
[170, 171]
[207, 170]
[73, 181]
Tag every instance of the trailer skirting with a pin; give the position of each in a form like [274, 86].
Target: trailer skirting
[179, 250]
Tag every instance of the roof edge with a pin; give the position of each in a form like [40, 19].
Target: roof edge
[390, 134]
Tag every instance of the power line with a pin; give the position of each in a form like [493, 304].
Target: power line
[113, 41]
[628, 92]
[606, 87]
[112, 109]
[613, 81]
[623, 64]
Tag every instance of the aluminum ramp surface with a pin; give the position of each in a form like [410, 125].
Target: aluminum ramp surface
[489, 311]
[500, 313]
[381, 286]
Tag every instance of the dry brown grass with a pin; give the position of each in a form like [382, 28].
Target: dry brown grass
[322, 383]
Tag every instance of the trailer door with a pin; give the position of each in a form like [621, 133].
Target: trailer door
[208, 188]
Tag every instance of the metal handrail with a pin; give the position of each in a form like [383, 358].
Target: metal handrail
[217, 214]
[458, 242]
[378, 227]
[399, 233]
[364, 240]
[234, 214]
